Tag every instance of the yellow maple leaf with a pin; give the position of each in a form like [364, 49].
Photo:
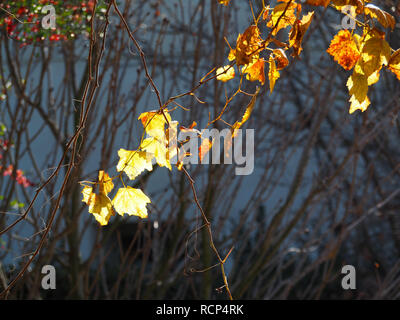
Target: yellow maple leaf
[298, 31]
[131, 201]
[101, 208]
[282, 16]
[394, 63]
[344, 50]
[154, 122]
[99, 204]
[255, 71]
[134, 162]
[225, 73]
[358, 89]
[273, 74]
[158, 149]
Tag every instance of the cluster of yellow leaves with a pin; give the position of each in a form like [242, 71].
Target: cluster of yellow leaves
[367, 54]
[250, 45]
[127, 200]
[132, 162]
[159, 145]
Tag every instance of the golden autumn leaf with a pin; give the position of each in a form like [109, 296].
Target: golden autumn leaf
[158, 149]
[375, 52]
[358, 89]
[248, 46]
[282, 16]
[225, 73]
[344, 50]
[384, 18]
[273, 74]
[298, 31]
[341, 4]
[154, 122]
[101, 208]
[255, 71]
[394, 63]
[99, 204]
[131, 201]
[134, 162]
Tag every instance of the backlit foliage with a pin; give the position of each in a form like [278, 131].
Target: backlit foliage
[160, 147]
[364, 50]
